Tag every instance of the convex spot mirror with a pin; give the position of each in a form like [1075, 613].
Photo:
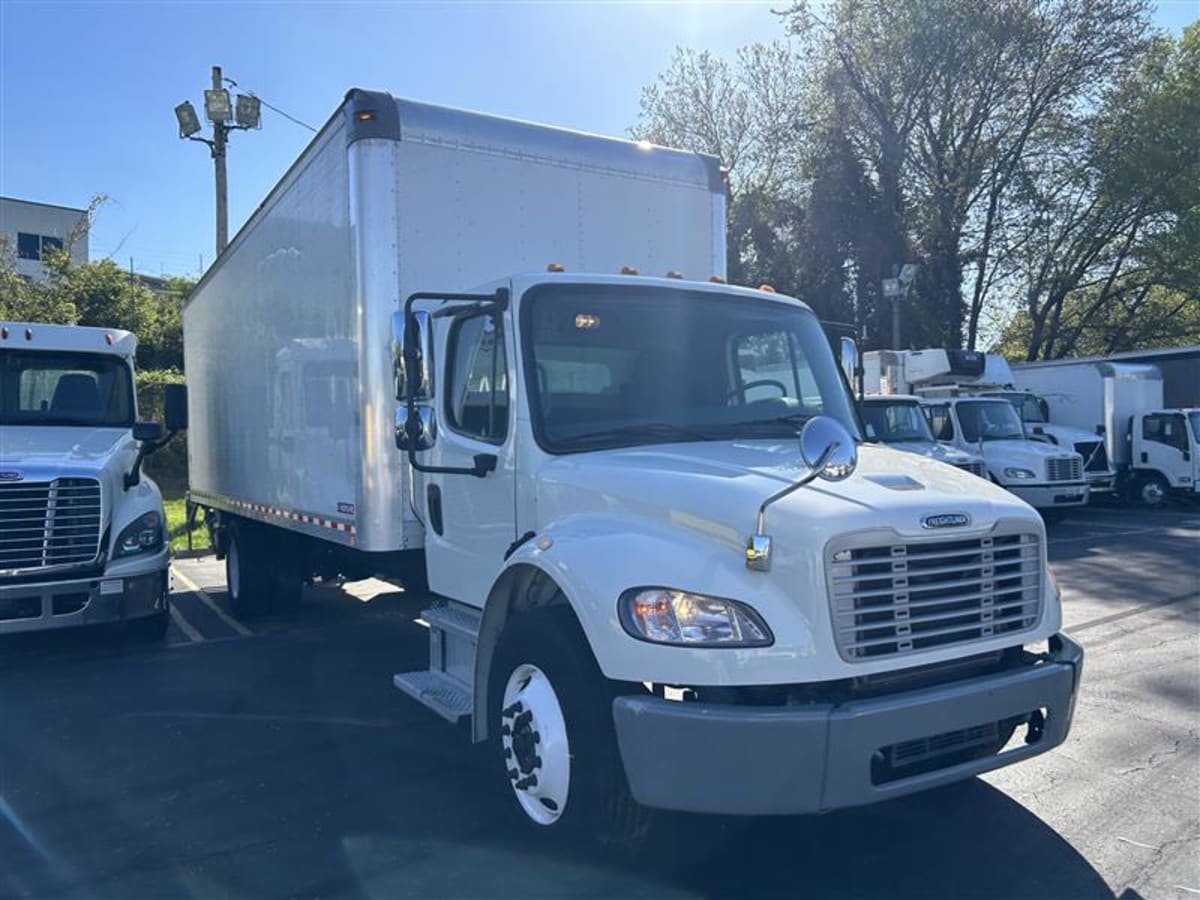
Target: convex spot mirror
[418, 432]
[828, 448]
[420, 341]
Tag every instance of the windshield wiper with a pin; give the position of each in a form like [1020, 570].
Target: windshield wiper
[789, 419]
[657, 432]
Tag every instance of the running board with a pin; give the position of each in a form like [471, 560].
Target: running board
[447, 686]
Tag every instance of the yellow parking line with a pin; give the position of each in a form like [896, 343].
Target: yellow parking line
[208, 601]
[184, 625]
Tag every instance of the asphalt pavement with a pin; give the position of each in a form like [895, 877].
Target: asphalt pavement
[274, 759]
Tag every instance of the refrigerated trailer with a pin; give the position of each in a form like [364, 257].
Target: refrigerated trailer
[654, 546]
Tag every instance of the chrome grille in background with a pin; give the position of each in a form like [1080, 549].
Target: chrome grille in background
[1095, 457]
[975, 468]
[1066, 468]
[900, 598]
[49, 523]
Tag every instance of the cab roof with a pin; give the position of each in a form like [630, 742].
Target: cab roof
[68, 338]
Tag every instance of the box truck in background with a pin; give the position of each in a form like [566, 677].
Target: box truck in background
[1156, 450]
[656, 547]
[83, 535]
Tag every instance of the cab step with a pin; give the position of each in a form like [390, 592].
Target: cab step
[447, 686]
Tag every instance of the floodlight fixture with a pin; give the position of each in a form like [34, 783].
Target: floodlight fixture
[248, 111]
[217, 106]
[908, 272]
[891, 287]
[189, 122]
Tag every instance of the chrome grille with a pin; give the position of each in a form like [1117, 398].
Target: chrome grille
[49, 523]
[975, 468]
[890, 599]
[1066, 468]
[1095, 457]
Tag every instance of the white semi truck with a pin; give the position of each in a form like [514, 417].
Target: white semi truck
[1156, 450]
[959, 395]
[664, 573]
[83, 536]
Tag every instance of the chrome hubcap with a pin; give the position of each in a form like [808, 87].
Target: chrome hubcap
[1152, 493]
[534, 737]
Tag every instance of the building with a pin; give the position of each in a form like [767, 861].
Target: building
[29, 230]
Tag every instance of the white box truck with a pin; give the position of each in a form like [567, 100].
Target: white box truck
[83, 535]
[960, 396]
[420, 355]
[1156, 450]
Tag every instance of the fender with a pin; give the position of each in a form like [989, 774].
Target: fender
[574, 558]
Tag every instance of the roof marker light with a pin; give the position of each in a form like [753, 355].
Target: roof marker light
[716, 279]
[108, 339]
[3, 334]
[674, 273]
[367, 115]
[556, 267]
[766, 289]
[29, 334]
[628, 270]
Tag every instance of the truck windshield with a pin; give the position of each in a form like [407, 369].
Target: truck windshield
[50, 388]
[989, 420]
[1027, 408]
[894, 423]
[1194, 418]
[613, 366]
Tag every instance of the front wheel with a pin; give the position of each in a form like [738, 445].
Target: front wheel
[1151, 491]
[552, 710]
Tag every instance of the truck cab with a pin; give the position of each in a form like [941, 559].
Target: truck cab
[897, 421]
[1044, 476]
[83, 535]
[1165, 452]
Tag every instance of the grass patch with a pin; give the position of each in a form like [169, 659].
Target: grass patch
[177, 524]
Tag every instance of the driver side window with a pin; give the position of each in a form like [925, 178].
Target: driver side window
[768, 367]
[940, 422]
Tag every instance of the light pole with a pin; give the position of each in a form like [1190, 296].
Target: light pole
[896, 288]
[218, 109]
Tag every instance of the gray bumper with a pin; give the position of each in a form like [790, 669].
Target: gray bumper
[143, 591]
[743, 760]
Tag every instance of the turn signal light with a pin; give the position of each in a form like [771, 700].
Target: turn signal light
[766, 289]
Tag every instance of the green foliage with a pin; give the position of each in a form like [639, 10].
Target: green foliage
[168, 466]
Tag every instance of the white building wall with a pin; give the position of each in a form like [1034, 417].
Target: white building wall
[36, 222]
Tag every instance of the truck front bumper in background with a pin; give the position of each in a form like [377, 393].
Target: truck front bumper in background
[130, 590]
[754, 760]
[1048, 496]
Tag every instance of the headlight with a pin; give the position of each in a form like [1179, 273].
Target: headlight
[664, 616]
[143, 535]
[1019, 473]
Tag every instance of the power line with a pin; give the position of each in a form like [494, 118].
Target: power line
[290, 118]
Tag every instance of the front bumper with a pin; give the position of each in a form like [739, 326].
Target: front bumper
[129, 589]
[745, 760]
[1051, 496]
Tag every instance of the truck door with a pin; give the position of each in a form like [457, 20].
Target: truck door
[1165, 448]
[470, 520]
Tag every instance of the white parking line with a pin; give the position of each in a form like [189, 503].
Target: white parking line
[1098, 536]
[184, 625]
[208, 601]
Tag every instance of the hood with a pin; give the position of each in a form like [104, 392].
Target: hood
[42, 453]
[1024, 453]
[716, 488]
[934, 450]
[1067, 436]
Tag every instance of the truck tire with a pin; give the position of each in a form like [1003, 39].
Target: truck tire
[248, 574]
[1151, 490]
[552, 711]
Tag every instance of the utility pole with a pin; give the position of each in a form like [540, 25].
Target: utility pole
[225, 118]
[896, 288]
[220, 139]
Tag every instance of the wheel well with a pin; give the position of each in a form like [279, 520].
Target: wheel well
[519, 590]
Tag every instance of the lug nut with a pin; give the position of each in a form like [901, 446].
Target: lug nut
[513, 774]
[537, 738]
[537, 762]
[513, 710]
[508, 752]
[522, 719]
[505, 730]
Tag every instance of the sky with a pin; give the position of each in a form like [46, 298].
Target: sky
[87, 90]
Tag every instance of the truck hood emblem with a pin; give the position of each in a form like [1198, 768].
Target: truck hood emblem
[946, 520]
[11, 476]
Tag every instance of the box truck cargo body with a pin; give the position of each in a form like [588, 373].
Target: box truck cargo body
[656, 544]
[291, 328]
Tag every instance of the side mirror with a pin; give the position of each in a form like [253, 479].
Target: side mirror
[406, 341]
[148, 432]
[848, 353]
[418, 432]
[828, 448]
[1044, 408]
[175, 407]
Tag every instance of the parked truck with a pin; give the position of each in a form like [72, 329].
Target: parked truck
[1156, 450]
[959, 396]
[664, 571]
[898, 421]
[83, 536]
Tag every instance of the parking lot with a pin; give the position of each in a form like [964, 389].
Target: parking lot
[274, 759]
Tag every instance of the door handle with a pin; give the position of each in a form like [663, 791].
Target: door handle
[1145, 456]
